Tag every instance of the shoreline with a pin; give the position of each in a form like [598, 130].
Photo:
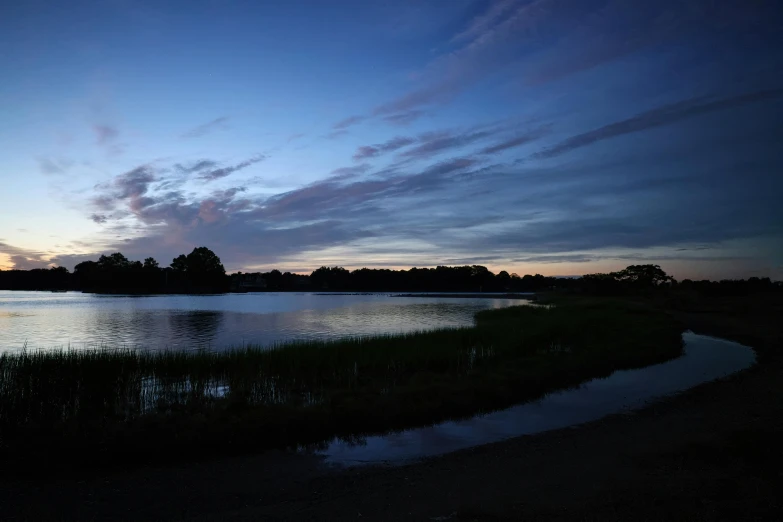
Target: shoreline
[709, 453]
[122, 408]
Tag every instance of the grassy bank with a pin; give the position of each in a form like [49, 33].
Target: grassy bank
[116, 407]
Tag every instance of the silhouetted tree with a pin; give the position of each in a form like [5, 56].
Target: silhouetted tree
[644, 276]
[180, 264]
[200, 271]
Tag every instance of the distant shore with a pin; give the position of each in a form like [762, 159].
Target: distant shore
[530, 295]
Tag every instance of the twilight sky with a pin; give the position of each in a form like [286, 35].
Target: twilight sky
[558, 137]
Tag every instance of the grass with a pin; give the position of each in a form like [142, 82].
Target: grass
[104, 407]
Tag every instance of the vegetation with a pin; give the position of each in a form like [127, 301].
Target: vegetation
[201, 271]
[103, 407]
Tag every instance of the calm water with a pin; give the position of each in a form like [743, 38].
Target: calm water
[705, 359]
[46, 319]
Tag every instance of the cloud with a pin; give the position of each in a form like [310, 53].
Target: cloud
[695, 193]
[404, 118]
[433, 143]
[131, 186]
[537, 41]
[348, 122]
[441, 91]
[105, 134]
[372, 151]
[483, 23]
[692, 249]
[222, 172]
[134, 183]
[523, 139]
[333, 199]
[428, 144]
[99, 218]
[344, 173]
[294, 137]
[50, 166]
[487, 44]
[206, 128]
[637, 256]
[23, 259]
[664, 115]
[335, 134]
[196, 166]
[610, 30]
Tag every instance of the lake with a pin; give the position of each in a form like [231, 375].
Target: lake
[47, 319]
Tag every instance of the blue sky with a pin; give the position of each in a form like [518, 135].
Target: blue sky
[538, 136]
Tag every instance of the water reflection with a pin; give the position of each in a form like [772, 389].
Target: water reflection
[199, 327]
[43, 319]
[705, 359]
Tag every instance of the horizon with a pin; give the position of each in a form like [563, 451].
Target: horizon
[531, 136]
[404, 268]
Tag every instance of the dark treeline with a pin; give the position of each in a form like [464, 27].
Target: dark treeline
[441, 279]
[198, 272]
[645, 278]
[202, 272]
[473, 278]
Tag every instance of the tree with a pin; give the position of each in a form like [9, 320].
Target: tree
[151, 264]
[643, 275]
[113, 262]
[274, 279]
[200, 270]
[180, 263]
[203, 261]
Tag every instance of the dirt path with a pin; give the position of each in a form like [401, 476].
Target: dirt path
[712, 453]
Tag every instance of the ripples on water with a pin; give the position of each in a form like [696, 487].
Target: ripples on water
[46, 320]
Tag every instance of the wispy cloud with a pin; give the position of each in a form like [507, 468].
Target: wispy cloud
[222, 172]
[105, 134]
[430, 144]
[484, 22]
[372, 151]
[205, 128]
[196, 166]
[404, 118]
[433, 143]
[348, 122]
[517, 141]
[664, 115]
[344, 173]
[487, 43]
[54, 166]
[335, 134]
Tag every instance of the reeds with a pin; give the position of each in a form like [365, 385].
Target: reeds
[109, 404]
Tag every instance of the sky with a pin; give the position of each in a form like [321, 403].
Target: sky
[559, 137]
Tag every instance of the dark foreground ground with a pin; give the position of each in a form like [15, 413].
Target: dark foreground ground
[713, 453]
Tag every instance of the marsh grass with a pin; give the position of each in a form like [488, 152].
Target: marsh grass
[104, 406]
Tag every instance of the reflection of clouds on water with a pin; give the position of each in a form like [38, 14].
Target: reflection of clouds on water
[705, 359]
[79, 320]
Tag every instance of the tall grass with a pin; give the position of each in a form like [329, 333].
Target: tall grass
[101, 406]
